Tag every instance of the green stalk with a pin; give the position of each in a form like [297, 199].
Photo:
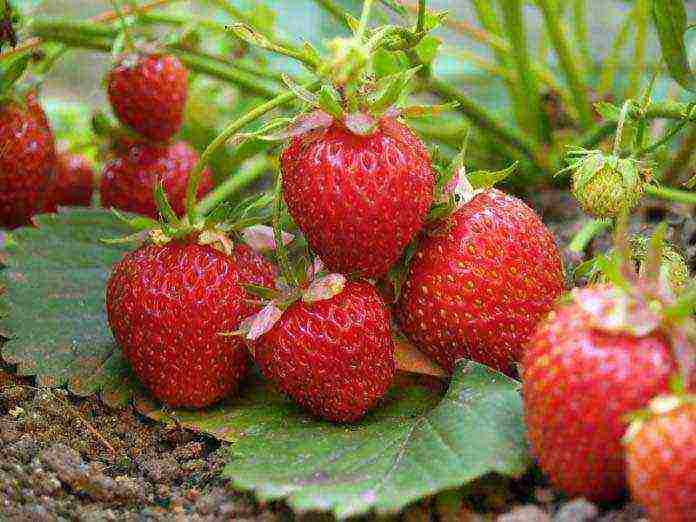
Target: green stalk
[532, 115]
[227, 133]
[641, 20]
[681, 159]
[364, 19]
[487, 122]
[588, 231]
[101, 38]
[613, 59]
[580, 30]
[233, 184]
[488, 19]
[669, 110]
[420, 24]
[671, 194]
[666, 138]
[568, 61]
[482, 63]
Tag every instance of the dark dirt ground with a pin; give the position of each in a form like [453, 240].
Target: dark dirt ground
[69, 459]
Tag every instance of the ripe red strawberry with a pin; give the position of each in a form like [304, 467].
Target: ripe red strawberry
[27, 158]
[148, 94]
[334, 357]
[73, 183]
[129, 178]
[480, 283]
[583, 371]
[358, 199]
[661, 459]
[167, 306]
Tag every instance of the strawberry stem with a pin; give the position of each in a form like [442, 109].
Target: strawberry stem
[129, 43]
[221, 140]
[588, 231]
[671, 194]
[233, 185]
[364, 19]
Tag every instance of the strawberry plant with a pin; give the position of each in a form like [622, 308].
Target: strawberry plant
[386, 256]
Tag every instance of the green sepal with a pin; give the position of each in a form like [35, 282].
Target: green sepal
[261, 291]
[13, 71]
[163, 205]
[136, 222]
[393, 90]
[328, 101]
[485, 179]
[399, 272]
[428, 111]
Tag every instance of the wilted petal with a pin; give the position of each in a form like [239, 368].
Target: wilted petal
[261, 238]
[324, 288]
[262, 322]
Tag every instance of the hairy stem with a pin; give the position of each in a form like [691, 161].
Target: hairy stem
[671, 194]
[233, 185]
[588, 231]
[364, 19]
[226, 134]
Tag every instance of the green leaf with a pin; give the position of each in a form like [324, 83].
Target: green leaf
[670, 20]
[414, 445]
[54, 279]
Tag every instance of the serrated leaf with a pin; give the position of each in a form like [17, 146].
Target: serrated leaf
[670, 21]
[54, 295]
[413, 445]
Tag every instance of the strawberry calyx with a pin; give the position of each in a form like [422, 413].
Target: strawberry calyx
[224, 225]
[357, 90]
[317, 286]
[642, 303]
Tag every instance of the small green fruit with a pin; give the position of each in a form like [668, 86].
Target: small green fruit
[606, 186]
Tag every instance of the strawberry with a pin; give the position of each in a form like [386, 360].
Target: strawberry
[661, 459]
[330, 350]
[605, 186]
[148, 93]
[73, 183]
[479, 283]
[129, 177]
[27, 158]
[359, 199]
[167, 306]
[595, 359]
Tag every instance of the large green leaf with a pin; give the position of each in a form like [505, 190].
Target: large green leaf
[414, 445]
[54, 312]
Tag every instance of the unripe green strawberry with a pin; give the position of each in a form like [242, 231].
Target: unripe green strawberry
[606, 186]
[673, 268]
[661, 459]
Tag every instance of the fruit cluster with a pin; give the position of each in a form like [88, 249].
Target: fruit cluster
[34, 177]
[395, 240]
